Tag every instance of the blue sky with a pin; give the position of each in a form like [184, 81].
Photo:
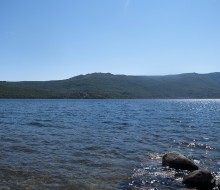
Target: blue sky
[58, 39]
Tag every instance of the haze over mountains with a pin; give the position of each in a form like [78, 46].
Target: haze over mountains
[106, 85]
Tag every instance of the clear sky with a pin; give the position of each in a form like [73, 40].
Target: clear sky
[59, 39]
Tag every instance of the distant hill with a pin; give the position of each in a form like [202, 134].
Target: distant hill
[106, 85]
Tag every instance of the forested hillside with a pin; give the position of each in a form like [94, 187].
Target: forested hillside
[106, 85]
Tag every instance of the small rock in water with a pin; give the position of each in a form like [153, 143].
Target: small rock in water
[178, 161]
[201, 179]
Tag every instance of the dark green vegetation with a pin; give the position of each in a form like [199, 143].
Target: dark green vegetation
[99, 85]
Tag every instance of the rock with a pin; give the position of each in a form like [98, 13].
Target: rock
[201, 179]
[178, 161]
[218, 183]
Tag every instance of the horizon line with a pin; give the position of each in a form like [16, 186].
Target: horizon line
[118, 74]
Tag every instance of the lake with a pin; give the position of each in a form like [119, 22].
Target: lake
[104, 144]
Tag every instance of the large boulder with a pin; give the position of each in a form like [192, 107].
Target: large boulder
[178, 161]
[200, 179]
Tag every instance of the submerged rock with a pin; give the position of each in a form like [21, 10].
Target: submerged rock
[178, 161]
[201, 179]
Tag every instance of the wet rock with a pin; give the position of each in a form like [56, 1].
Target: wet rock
[178, 161]
[201, 179]
[218, 183]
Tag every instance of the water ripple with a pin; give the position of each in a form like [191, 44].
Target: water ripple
[104, 144]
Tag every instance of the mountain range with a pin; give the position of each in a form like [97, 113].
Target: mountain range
[106, 85]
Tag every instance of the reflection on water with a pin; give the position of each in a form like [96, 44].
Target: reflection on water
[104, 144]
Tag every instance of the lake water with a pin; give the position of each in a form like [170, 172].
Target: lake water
[104, 144]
